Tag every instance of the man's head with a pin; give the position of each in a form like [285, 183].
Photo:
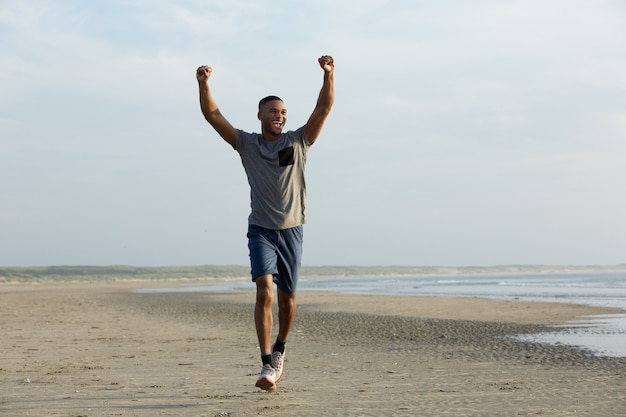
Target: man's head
[273, 116]
[267, 100]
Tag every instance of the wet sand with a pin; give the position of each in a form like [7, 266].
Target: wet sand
[99, 350]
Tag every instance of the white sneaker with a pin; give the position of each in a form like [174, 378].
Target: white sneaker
[267, 379]
[278, 361]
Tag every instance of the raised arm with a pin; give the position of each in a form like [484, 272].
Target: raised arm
[210, 110]
[324, 101]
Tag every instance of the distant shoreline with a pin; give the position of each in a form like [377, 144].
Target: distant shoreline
[48, 274]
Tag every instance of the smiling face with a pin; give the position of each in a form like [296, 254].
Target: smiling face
[273, 116]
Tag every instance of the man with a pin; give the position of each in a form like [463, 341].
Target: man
[274, 162]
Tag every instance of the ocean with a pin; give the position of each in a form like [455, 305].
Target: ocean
[603, 335]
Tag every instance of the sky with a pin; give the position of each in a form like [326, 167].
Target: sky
[490, 132]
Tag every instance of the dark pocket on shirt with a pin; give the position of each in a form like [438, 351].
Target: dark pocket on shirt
[285, 157]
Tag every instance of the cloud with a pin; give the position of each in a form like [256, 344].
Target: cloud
[449, 116]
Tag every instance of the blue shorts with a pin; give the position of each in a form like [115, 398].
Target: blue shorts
[277, 253]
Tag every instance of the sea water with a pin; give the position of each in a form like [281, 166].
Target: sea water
[603, 335]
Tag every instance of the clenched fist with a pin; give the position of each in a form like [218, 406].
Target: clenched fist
[327, 63]
[203, 73]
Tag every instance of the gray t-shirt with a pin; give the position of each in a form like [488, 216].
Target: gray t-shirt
[275, 171]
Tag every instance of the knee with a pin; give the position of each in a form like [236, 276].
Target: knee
[286, 302]
[264, 292]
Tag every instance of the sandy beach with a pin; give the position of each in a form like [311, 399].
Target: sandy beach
[97, 349]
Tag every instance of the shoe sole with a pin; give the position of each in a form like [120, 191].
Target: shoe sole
[265, 384]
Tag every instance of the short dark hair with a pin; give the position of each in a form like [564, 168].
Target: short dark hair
[268, 98]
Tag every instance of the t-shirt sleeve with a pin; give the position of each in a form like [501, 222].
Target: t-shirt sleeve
[301, 134]
[242, 139]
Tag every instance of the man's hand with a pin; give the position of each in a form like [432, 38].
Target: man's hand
[203, 73]
[327, 63]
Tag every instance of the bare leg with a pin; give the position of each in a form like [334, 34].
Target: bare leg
[263, 312]
[286, 314]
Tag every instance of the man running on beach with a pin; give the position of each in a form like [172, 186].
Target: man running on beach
[274, 162]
